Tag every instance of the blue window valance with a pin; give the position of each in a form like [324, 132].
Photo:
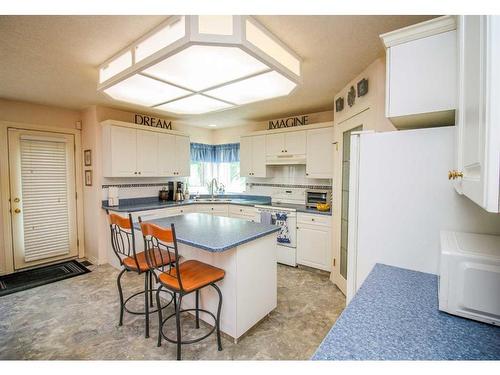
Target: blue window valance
[226, 153]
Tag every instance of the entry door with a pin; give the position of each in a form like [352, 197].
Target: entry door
[42, 196]
[342, 154]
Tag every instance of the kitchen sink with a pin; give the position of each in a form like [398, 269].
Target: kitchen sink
[212, 199]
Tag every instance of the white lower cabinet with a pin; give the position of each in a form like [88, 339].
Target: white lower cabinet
[245, 213]
[214, 209]
[314, 241]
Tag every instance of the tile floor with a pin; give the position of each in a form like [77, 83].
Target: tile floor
[77, 318]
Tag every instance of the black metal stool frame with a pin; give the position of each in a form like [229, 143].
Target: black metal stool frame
[151, 242]
[126, 249]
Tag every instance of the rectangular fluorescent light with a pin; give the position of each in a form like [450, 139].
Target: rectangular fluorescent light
[271, 47]
[194, 104]
[200, 67]
[264, 86]
[215, 25]
[115, 66]
[145, 91]
[161, 39]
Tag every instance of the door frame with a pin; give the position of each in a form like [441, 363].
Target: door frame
[7, 258]
[364, 117]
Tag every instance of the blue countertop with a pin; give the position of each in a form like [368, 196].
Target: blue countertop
[153, 203]
[213, 233]
[300, 208]
[395, 316]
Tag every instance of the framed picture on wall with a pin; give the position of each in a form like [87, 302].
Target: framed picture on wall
[88, 177]
[87, 157]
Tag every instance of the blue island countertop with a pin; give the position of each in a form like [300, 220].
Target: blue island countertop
[395, 316]
[213, 233]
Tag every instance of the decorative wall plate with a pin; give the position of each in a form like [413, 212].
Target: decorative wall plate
[351, 96]
[362, 87]
[339, 104]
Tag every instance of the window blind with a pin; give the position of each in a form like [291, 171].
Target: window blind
[44, 181]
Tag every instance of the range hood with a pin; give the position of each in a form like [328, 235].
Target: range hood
[289, 159]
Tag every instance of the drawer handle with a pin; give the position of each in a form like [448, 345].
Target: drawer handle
[312, 219]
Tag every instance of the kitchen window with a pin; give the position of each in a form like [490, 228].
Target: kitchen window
[219, 161]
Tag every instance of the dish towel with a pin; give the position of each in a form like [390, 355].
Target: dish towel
[284, 233]
[266, 218]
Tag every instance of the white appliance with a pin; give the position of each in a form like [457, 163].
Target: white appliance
[287, 237]
[469, 283]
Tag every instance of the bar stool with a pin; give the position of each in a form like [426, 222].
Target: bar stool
[123, 244]
[181, 279]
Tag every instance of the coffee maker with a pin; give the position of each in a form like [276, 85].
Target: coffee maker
[179, 193]
[171, 191]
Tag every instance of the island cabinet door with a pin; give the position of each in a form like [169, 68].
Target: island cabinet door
[314, 246]
[166, 155]
[147, 153]
[182, 156]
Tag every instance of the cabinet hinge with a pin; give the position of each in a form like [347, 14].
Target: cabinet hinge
[77, 242]
[334, 261]
[76, 195]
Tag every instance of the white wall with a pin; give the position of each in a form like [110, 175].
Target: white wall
[405, 199]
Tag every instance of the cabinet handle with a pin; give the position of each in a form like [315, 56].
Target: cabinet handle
[307, 174]
[139, 172]
[452, 175]
[312, 219]
[135, 172]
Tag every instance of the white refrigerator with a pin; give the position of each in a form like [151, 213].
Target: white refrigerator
[400, 199]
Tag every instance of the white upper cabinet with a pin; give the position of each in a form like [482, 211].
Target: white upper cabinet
[132, 152]
[120, 152]
[147, 153]
[286, 143]
[477, 171]
[319, 163]
[421, 74]
[166, 155]
[253, 156]
[182, 156]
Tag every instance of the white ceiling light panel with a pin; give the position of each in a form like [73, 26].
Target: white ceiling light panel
[263, 86]
[144, 91]
[200, 64]
[200, 67]
[194, 104]
[112, 68]
[215, 25]
[161, 39]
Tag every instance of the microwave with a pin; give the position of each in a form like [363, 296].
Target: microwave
[469, 279]
[318, 196]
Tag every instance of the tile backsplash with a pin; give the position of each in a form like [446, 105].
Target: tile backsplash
[285, 182]
[288, 183]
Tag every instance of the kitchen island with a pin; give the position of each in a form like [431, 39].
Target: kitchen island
[247, 253]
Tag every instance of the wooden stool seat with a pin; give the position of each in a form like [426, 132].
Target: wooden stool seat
[193, 274]
[158, 257]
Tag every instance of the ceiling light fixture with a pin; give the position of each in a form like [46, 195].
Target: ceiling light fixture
[200, 64]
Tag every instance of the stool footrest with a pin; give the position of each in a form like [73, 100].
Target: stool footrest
[151, 311]
[193, 340]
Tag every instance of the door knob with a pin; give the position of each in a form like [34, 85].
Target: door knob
[17, 211]
[452, 175]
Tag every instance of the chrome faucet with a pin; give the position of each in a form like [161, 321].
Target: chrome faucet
[212, 183]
